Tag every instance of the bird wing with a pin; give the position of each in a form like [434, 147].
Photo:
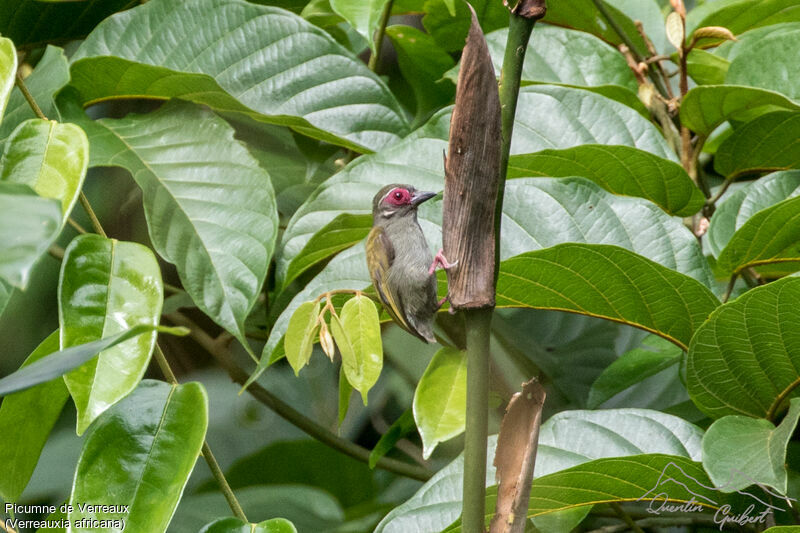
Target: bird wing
[380, 255]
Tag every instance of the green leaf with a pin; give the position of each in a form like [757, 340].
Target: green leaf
[440, 401]
[28, 226]
[26, 419]
[620, 170]
[607, 282]
[706, 107]
[564, 56]
[299, 339]
[363, 16]
[655, 355]
[345, 393]
[8, 72]
[235, 56]
[340, 233]
[770, 236]
[358, 335]
[423, 64]
[140, 454]
[566, 440]
[776, 148]
[6, 291]
[105, 287]
[775, 56]
[401, 427]
[742, 15]
[209, 206]
[739, 451]
[50, 157]
[583, 15]
[234, 525]
[448, 21]
[59, 363]
[741, 364]
[29, 22]
[706, 68]
[740, 206]
[49, 76]
[620, 479]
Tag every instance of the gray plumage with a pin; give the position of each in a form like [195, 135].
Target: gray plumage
[399, 259]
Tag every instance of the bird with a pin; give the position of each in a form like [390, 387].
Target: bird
[400, 263]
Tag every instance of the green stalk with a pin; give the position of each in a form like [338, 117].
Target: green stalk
[479, 326]
[375, 57]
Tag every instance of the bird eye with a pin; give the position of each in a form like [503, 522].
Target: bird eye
[398, 195]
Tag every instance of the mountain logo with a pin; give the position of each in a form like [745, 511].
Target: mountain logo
[673, 477]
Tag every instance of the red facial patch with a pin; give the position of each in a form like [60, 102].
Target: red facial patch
[398, 196]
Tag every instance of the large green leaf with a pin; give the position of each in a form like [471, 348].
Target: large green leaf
[607, 282]
[35, 22]
[26, 419]
[358, 336]
[770, 236]
[706, 107]
[776, 148]
[739, 451]
[49, 157]
[209, 206]
[363, 15]
[743, 364]
[236, 56]
[50, 75]
[105, 287]
[440, 400]
[633, 367]
[423, 64]
[564, 56]
[139, 456]
[6, 291]
[583, 15]
[28, 226]
[742, 15]
[706, 68]
[618, 169]
[737, 209]
[8, 72]
[565, 440]
[648, 478]
[59, 363]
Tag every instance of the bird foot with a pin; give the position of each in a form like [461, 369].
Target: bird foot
[441, 261]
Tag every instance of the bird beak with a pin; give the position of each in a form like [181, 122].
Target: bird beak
[420, 196]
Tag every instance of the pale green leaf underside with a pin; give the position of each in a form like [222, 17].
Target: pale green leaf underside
[210, 207]
[236, 56]
[8, 72]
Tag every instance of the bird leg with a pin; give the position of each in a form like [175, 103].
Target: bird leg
[441, 261]
[441, 302]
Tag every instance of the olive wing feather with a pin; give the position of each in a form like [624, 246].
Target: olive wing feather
[380, 255]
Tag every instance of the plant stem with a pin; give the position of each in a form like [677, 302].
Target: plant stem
[288, 413]
[98, 228]
[233, 503]
[376, 55]
[29, 97]
[626, 518]
[6, 527]
[625, 38]
[479, 325]
[80, 229]
[776, 405]
[729, 289]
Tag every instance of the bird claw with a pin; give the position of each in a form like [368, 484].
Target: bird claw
[441, 302]
[441, 260]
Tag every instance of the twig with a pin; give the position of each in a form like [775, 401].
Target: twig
[29, 97]
[77, 226]
[288, 413]
[98, 228]
[56, 251]
[772, 413]
[376, 55]
[625, 517]
[216, 471]
[729, 289]
[6, 527]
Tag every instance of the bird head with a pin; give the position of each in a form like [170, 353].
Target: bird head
[397, 200]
